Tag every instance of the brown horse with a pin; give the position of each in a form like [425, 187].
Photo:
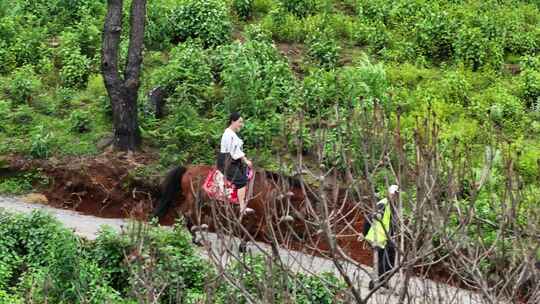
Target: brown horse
[271, 196]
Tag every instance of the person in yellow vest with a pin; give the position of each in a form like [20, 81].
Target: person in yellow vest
[379, 231]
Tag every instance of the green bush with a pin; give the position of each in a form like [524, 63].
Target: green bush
[323, 49]
[243, 8]
[28, 45]
[523, 41]
[320, 93]
[96, 87]
[284, 26]
[262, 7]
[169, 253]
[258, 33]
[65, 11]
[41, 142]
[256, 276]
[4, 114]
[159, 30]
[108, 251]
[187, 137]
[22, 183]
[342, 25]
[454, 87]
[300, 8]
[23, 86]
[374, 10]
[374, 34]
[88, 36]
[64, 101]
[80, 121]
[23, 118]
[47, 261]
[528, 164]
[435, 34]
[187, 76]
[323, 90]
[530, 87]
[208, 20]
[42, 260]
[75, 70]
[472, 47]
[75, 66]
[366, 79]
[258, 82]
[11, 299]
[503, 108]
[7, 58]
[256, 78]
[325, 288]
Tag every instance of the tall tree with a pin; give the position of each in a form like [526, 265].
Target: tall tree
[123, 89]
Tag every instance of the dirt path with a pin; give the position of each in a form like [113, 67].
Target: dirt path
[421, 291]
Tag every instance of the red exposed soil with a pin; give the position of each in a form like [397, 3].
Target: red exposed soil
[103, 185]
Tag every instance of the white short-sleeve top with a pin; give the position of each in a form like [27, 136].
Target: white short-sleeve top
[231, 143]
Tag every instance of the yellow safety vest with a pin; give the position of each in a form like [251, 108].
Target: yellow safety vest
[377, 235]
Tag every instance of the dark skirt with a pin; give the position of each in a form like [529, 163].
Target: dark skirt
[234, 170]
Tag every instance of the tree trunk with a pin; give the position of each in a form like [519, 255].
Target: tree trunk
[123, 91]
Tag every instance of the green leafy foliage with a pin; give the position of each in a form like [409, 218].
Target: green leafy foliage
[187, 137]
[256, 276]
[176, 261]
[42, 259]
[41, 142]
[323, 49]
[473, 63]
[207, 20]
[435, 34]
[7, 58]
[243, 8]
[75, 66]
[23, 182]
[28, 46]
[257, 82]
[284, 26]
[300, 8]
[46, 257]
[23, 86]
[475, 49]
[80, 121]
[187, 75]
[159, 30]
[530, 88]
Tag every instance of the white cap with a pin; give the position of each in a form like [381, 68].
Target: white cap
[393, 189]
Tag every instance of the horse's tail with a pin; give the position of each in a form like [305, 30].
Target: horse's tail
[170, 187]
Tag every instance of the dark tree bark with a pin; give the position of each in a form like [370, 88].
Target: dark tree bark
[123, 91]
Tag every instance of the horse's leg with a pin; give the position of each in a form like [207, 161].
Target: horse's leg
[192, 225]
[242, 248]
[244, 239]
[244, 235]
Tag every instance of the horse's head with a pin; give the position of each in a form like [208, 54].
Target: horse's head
[286, 186]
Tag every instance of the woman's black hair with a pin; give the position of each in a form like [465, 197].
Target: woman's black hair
[233, 117]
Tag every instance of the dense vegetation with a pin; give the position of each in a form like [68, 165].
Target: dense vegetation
[457, 57]
[43, 262]
[474, 63]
